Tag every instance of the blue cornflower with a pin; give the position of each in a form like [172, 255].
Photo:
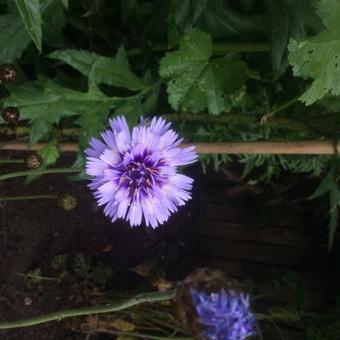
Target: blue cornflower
[224, 315]
[135, 174]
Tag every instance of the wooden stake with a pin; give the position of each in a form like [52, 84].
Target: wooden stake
[233, 148]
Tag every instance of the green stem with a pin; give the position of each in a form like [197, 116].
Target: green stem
[12, 161]
[114, 307]
[41, 278]
[282, 107]
[38, 172]
[24, 198]
[218, 48]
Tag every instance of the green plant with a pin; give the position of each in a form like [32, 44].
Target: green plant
[90, 271]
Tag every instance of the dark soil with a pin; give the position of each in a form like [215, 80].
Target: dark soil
[32, 233]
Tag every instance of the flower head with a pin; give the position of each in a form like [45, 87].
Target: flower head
[135, 174]
[224, 315]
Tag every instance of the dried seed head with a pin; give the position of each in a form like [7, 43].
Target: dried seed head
[33, 161]
[68, 202]
[7, 72]
[10, 115]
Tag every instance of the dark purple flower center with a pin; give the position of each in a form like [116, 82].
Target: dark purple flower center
[139, 175]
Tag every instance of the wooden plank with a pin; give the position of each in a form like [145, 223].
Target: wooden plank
[237, 213]
[260, 253]
[290, 237]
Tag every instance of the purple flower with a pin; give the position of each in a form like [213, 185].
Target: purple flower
[224, 315]
[135, 175]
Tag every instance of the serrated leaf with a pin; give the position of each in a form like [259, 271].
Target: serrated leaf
[318, 57]
[30, 12]
[195, 82]
[45, 104]
[289, 19]
[102, 70]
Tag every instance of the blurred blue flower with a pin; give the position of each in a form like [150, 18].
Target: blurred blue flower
[224, 315]
[135, 174]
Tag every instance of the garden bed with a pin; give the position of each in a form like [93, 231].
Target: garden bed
[265, 235]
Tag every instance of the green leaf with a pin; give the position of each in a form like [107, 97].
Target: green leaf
[225, 23]
[151, 101]
[13, 37]
[195, 82]
[289, 19]
[182, 16]
[324, 187]
[334, 199]
[65, 3]
[318, 57]
[92, 122]
[49, 153]
[53, 21]
[279, 17]
[102, 70]
[30, 12]
[329, 185]
[45, 104]
[131, 109]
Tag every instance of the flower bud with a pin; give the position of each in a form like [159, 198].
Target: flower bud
[7, 72]
[10, 115]
[34, 161]
[68, 202]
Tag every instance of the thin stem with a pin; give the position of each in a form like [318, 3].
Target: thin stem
[218, 48]
[24, 198]
[41, 278]
[12, 161]
[282, 107]
[38, 172]
[114, 307]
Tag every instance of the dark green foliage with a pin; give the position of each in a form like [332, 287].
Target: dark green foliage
[223, 66]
